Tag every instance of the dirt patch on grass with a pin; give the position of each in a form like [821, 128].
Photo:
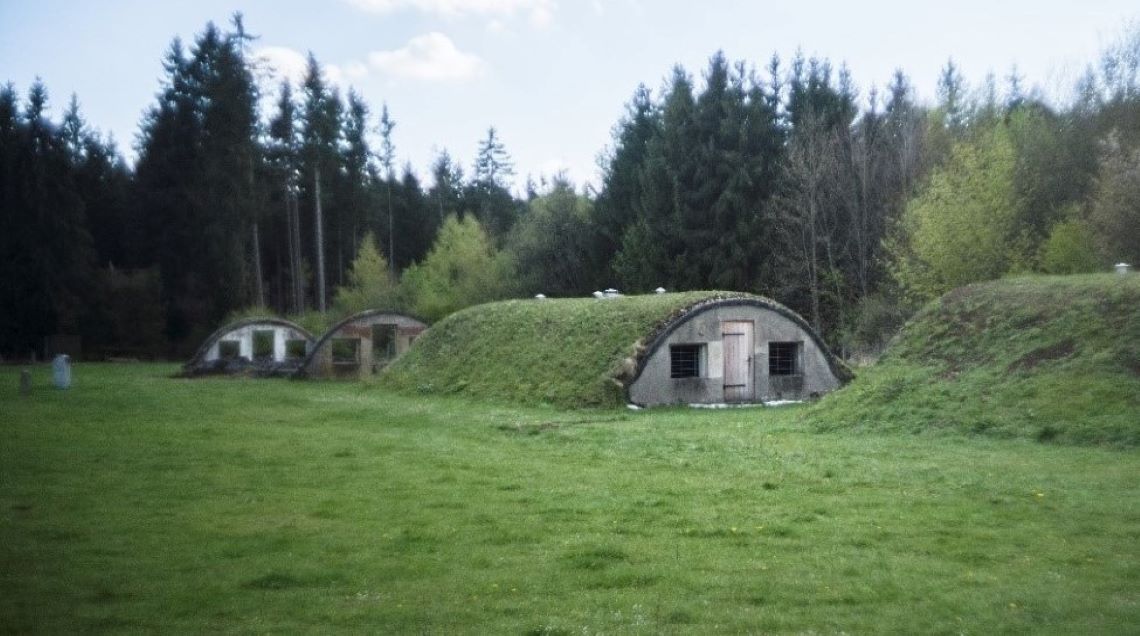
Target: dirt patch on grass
[1057, 351]
[1130, 359]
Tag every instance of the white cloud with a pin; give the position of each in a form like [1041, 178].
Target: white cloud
[431, 57]
[282, 62]
[339, 75]
[542, 14]
[554, 166]
[539, 12]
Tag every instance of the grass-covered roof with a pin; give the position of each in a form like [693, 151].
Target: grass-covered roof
[1050, 358]
[571, 352]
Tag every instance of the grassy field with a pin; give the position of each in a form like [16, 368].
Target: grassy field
[135, 502]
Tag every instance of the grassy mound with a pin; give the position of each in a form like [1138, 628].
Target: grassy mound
[569, 352]
[1050, 358]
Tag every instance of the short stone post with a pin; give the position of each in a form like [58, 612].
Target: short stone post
[61, 371]
[25, 383]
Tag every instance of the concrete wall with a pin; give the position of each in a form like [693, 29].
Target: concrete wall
[244, 336]
[654, 386]
[320, 363]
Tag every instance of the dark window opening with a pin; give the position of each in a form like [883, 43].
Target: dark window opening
[229, 349]
[783, 358]
[263, 344]
[295, 349]
[383, 341]
[346, 350]
[685, 361]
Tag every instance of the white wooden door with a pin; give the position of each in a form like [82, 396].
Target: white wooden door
[737, 337]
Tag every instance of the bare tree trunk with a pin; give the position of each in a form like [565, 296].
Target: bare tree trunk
[320, 238]
[391, 235]
[813, 259]
[837, 284]
[339, 256]
[278, 289]
[259, 287]
[295, 264]
[289, 229]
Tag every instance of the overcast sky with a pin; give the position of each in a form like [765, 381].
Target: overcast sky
[551, 75]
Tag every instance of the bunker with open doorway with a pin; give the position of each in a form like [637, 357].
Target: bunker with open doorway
[362, 345]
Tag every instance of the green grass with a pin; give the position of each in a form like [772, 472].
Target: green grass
[567, 352]
[1053, 359]
[138, 503]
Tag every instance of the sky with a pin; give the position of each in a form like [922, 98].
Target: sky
[552, 76]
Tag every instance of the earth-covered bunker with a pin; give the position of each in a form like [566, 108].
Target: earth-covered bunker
[735, 350]
[669, 348]
[362, 344]
[257, 346]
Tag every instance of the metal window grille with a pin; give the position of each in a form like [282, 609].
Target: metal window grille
[685, 361]
[783, 358]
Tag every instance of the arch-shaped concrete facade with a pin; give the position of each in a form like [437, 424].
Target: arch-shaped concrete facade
[362, 344]
[735, 350]
[259, 345]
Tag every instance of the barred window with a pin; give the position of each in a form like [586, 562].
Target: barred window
[685, 361]
[783, 358]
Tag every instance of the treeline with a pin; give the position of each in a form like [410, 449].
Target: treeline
[226, 207]
[851, 208]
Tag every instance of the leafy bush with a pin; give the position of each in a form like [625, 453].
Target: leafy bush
[462, 269]
[1070, 249]
[370, 282]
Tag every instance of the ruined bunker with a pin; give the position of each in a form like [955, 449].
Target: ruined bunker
[254, 346]
[362, 344]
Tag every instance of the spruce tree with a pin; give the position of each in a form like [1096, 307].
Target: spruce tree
[46, 247]
[616, 208]
[320, 135]
[416, 219]
[652, 252]
[196, 182]
[355, 200]
[284, 157]
[446, 192]
[387, 161]
[487, 194]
